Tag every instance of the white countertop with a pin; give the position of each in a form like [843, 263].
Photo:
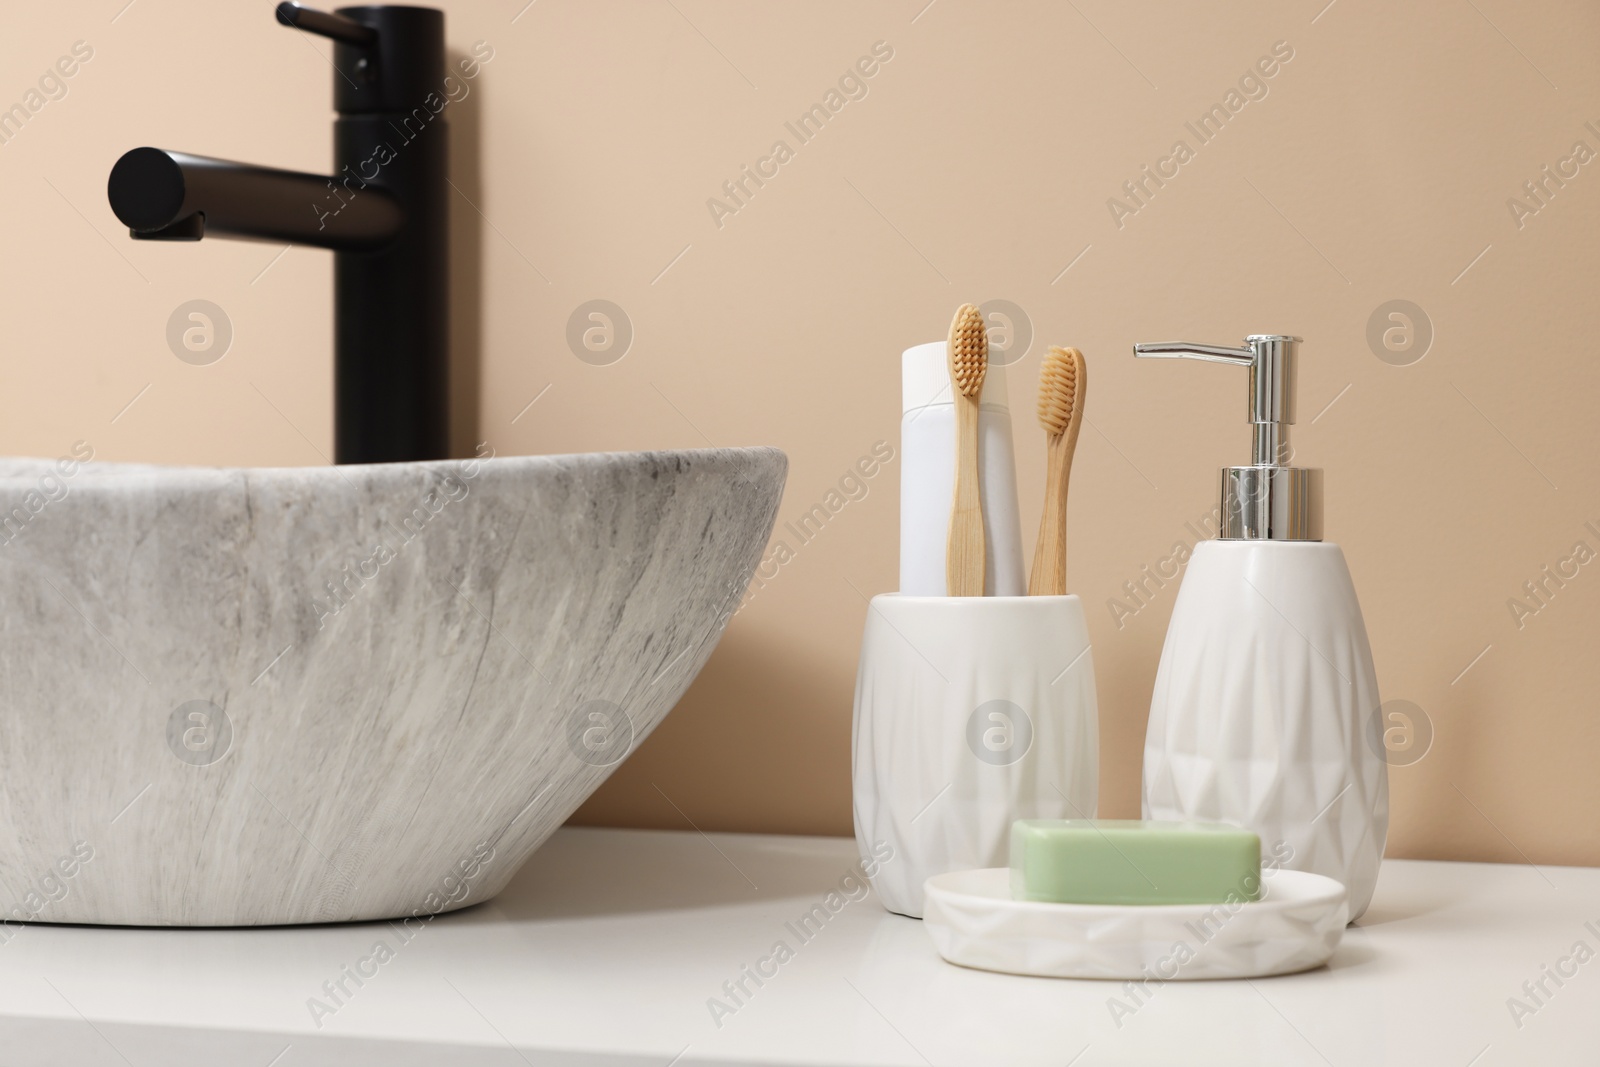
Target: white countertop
[609, 944]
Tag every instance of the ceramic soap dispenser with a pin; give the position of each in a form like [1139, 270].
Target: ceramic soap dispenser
[1265, 712]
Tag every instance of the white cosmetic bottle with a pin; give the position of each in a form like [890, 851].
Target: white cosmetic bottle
[928, 477]
[1266, 712]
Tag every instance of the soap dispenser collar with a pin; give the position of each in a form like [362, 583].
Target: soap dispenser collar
[1267, 500]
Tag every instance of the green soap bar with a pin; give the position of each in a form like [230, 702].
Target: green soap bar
[1126, 861]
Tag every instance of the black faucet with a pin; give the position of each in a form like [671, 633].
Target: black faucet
[385, 215]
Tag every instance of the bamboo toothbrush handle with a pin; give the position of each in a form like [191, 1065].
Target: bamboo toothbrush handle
[1049, 574]
[964, 556]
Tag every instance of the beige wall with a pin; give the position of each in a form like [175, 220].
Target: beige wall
[978, 166]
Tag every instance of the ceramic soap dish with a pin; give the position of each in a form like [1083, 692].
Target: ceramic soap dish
[1295, 926]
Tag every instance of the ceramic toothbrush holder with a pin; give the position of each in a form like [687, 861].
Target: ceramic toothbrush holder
[970, 713]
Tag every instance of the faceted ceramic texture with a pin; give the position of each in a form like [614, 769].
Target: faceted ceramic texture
[445, 712]
[1266, 712]
[1295, 926]
[971, 713]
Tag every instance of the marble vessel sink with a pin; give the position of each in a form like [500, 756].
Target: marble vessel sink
[252, 696]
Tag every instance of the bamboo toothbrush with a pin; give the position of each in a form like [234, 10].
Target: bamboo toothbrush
[1062, 381]
[969, 362]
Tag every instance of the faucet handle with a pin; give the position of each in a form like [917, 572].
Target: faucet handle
[328, 25]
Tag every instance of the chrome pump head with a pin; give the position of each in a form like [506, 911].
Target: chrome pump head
[1268, 500]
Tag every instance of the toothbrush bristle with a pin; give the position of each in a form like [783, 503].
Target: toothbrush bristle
[1059, 380]
[969, 351]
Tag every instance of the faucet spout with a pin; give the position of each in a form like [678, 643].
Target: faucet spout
[385, 217]
[163, 195]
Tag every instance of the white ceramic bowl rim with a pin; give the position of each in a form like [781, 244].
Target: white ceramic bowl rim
[1280, 889]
